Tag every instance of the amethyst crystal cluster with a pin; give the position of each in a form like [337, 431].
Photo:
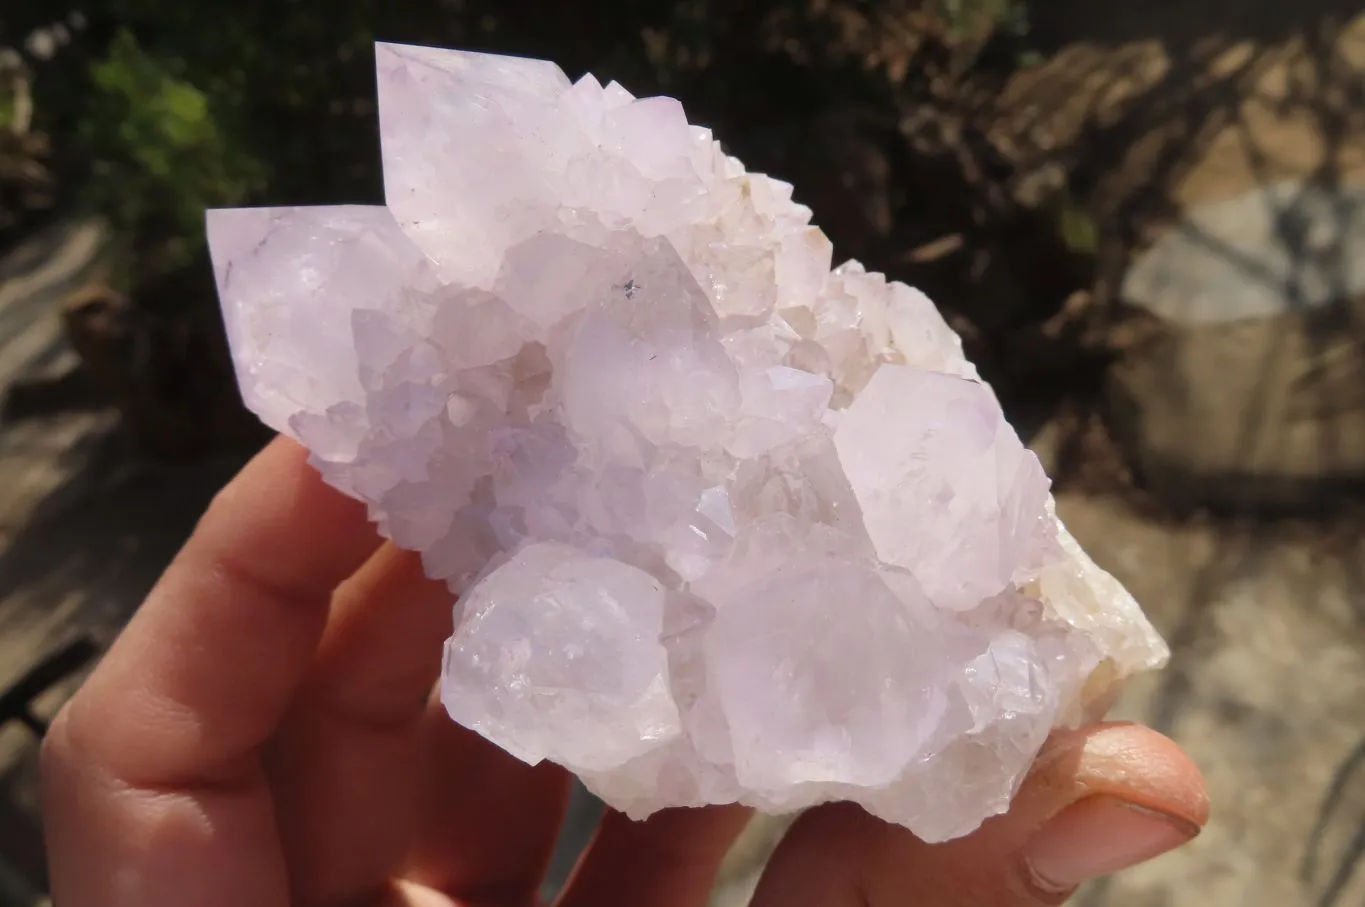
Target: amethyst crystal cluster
[725, 524]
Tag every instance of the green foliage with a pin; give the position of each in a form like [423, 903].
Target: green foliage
[1076, 227]
[160, 157]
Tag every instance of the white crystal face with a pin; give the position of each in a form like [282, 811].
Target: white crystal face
[726, 524]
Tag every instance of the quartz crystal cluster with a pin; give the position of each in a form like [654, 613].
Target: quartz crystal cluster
[725, 524]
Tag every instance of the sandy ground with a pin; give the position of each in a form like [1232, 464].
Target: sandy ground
[1266, 690]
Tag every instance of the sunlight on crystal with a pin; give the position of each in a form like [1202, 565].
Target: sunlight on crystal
[726, 524]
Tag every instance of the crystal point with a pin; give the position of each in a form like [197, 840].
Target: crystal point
[725, 524]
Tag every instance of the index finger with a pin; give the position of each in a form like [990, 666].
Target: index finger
[207, 668]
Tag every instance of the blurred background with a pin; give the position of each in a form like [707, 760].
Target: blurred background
[1147, 219]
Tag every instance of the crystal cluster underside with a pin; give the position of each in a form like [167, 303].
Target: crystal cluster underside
[725, 524]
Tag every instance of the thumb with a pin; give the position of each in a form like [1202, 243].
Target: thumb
[1098, 800]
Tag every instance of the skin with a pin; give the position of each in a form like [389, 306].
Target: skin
[264, 733]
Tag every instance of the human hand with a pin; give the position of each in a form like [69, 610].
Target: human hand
[263, 734]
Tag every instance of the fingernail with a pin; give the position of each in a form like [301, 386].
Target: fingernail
[1098, 836]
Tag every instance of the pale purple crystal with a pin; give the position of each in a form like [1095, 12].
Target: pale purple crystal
[726, 524]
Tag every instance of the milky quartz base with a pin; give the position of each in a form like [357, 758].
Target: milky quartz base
[725, 524]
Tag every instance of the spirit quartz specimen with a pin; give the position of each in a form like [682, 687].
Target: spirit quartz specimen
[725, 524]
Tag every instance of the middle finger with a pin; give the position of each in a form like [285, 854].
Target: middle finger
[372, 778]
[342, 766]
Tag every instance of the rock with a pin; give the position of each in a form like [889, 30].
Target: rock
[1224, 163]
[1273, 251]
[1250, 391]
[1159, 108]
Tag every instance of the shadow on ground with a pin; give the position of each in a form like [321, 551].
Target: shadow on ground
[1334, 851]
